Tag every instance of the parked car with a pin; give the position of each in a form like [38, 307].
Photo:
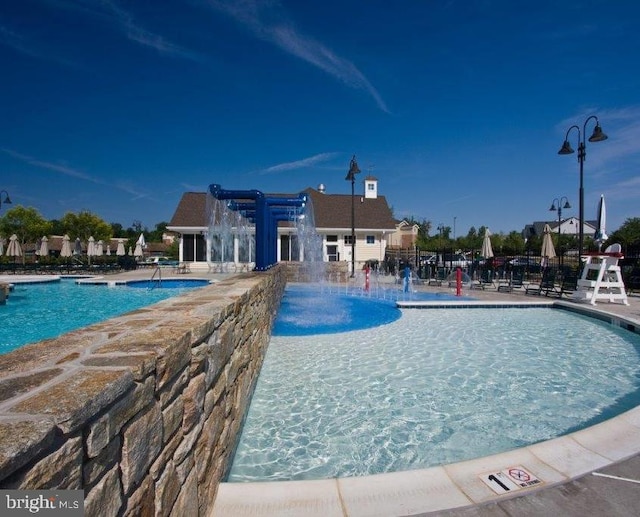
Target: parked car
[455, 260]
[429, 259]
[528, 263]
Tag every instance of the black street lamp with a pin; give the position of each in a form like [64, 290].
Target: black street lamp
[351, 176]
[441, 231]
[597, 136]
[7, 199]
[557, 206]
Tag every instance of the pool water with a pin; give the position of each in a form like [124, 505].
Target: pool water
[429, 388]
[171, 283]
[34, 312]
[305, 312]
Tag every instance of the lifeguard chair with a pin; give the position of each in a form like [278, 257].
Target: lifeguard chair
[601, 278]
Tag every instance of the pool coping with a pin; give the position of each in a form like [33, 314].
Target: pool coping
[457, 485]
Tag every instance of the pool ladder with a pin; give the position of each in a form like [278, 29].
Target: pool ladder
[158, 271]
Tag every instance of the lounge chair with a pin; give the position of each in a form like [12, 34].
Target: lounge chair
[486, 280]
[569, 284]
[439, 278]
[546, 286]
[515, 282]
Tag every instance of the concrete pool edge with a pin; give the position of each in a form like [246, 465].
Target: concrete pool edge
[454, 486]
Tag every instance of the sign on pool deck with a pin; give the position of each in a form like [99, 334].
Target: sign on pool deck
[509, 480]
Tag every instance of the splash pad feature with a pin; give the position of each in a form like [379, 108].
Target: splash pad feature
[265, 212]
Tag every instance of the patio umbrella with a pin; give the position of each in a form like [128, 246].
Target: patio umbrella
[65, 251]
[130, 251]
[44, 247]
[91, 248]
[108, 250]
[1, 245]
[486, 251]
[99, 249]
[140, 245]
[120, 251]
[13, 249]
[600, 235]
[77, 247]
[548, 251]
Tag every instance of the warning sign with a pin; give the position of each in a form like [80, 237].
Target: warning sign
[509, 480]
[522, 477]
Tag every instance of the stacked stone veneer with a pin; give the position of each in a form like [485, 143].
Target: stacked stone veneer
[141, 411]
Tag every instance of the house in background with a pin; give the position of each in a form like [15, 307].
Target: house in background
[569, 226]
[405, 236]
[373, 222]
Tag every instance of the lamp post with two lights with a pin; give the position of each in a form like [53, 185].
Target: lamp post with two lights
[597, 136]
[557, 206]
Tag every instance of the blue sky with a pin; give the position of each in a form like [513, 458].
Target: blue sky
[458, 108]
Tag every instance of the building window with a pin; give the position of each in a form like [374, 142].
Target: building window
[370, 186]
[332, 238]
[371, 239]
[348, 239]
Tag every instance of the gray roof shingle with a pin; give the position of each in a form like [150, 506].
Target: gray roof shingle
[330, 211]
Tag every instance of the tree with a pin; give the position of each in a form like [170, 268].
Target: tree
[84, 225]
[513, 244]
[26, 223]
[156, 235]
[628, 234]
[117, 230]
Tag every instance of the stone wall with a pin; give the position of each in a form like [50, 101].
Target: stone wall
[141, 411]
[336, 272]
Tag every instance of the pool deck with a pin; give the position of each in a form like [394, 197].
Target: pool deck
[593, 472]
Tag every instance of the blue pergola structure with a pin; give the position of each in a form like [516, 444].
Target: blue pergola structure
[265, 212]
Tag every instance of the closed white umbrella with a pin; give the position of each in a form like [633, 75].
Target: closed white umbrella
[130, 251]
[14, 249]
[44, 247]
[77, 247]
[91, 248]
[487, 250]
[140, 245]
[600, 235]
[548, 250]
[2, 241]
[99, 249]
[65, 251]
[120, 251]
[108, 250]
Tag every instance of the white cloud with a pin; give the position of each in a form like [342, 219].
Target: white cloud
[110, 13]
[299, 164]
[281, 32]
[73, 173]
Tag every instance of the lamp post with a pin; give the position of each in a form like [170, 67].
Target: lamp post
[559, 209]
[7, 199]
[441, 231]
[597, 136]
[557, 206]
[351, 176]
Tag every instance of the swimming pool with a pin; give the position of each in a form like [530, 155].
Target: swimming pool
[300, 309]
[432, 387]
[38, 311]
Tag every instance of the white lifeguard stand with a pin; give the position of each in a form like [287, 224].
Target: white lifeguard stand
[601, 278]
